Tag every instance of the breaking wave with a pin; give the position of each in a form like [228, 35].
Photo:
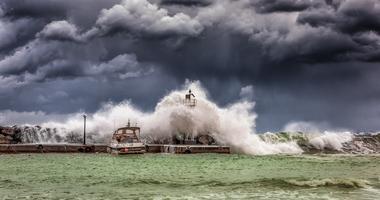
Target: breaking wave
[320, 141]
[233, 125]
[328, 141]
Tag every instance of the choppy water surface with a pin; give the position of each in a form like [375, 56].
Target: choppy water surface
[207, 176]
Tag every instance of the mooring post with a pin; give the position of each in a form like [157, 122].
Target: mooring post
[84, 129]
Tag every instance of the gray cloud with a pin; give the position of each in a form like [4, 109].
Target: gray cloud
[40, 61]
[349, 17]
[268, 6]
[186, 2]
[307, 60]
[122, 66]
[60, 30]
[15, 32]
[2, 12]
[143, 17]
[28, 57]
[275, 30]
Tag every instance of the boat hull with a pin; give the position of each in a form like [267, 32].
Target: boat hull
[126, 150]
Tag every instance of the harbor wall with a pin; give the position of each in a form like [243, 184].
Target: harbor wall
[52, 148]
[102, 148]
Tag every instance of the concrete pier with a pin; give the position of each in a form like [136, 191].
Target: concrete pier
[183, 149]
[102, 148]
[52, 148]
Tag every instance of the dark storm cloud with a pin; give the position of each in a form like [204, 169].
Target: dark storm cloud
[52, 8]
[303, 58]
[350, 17]
[187, 2]
[10, 31]
[41, 61]
[34, 9]
[267, 6]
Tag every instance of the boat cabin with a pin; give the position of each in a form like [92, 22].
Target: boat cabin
[128, 134]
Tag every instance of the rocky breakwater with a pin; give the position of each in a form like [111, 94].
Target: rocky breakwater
[328, 142]
[363, 143]
[42, 135]
[10, 135]
[28, 134]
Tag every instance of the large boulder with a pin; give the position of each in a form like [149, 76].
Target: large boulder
[5, 132]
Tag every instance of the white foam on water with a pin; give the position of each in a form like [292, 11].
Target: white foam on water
[318, 135]
[330, 140]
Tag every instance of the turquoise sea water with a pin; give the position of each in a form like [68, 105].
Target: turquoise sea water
[202, 176]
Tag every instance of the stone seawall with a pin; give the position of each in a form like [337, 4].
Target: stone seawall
[102, 148]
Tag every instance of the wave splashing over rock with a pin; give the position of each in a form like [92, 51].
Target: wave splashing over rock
[232, 125]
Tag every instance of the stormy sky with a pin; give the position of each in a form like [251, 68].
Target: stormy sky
[304, 60]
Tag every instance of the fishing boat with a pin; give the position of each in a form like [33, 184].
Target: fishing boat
[126, 140]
